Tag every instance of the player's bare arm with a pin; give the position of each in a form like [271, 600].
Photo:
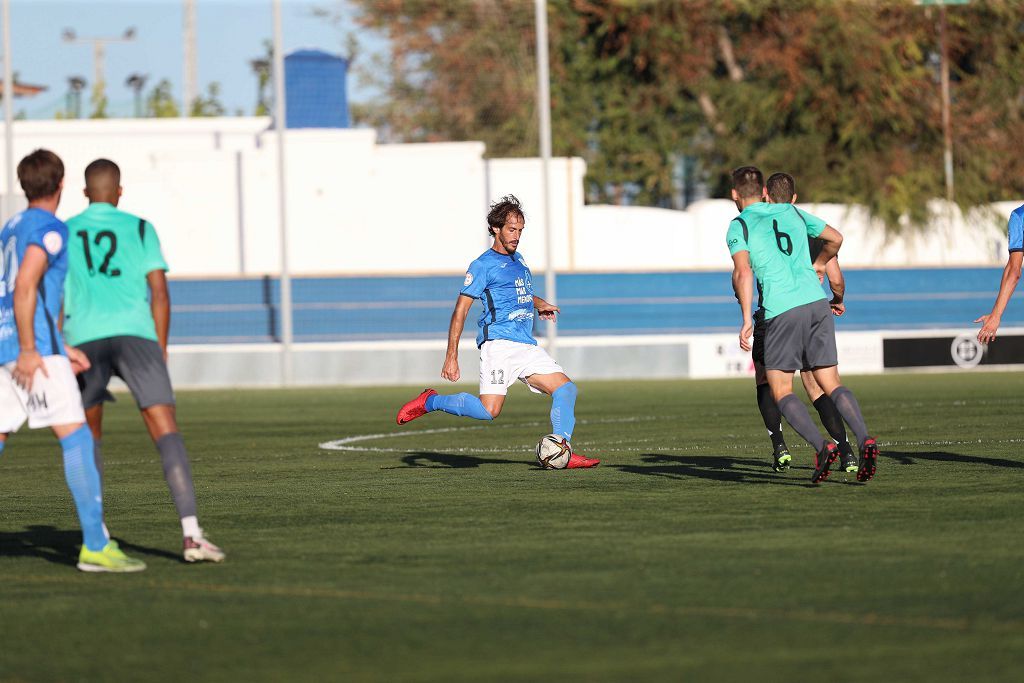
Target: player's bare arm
[743, 286]
[837, 283]
[545, 310]
[1011, 276]
[832, 240]
[450, 369]
[26, 289]
[160, 306]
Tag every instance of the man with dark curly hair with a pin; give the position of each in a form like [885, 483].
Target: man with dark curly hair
[502, 282]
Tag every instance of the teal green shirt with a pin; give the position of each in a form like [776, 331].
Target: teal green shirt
[776, 237]
[106, 294]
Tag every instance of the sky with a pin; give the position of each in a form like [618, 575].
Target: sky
[229, 34]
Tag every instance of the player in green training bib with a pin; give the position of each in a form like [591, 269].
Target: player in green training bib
[770, 241]
[117, 310]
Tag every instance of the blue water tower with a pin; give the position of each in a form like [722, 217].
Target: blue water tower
[315, 90]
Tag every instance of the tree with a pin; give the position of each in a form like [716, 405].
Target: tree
[210, 104]
[842, 94]
[160, 102]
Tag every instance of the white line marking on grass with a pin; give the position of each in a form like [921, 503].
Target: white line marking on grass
[345, 443]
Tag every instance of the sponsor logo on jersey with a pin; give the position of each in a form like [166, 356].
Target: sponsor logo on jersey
[469, 280]
[520, 313]
[53, 242]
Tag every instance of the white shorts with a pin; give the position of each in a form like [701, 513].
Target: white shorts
[503, 362]
[54, 399]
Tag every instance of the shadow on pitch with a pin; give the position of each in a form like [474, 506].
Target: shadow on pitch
[59, 546]
[433, 459]
[715, 468]
[903, 458]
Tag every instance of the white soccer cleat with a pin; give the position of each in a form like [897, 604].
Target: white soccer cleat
[199, 549]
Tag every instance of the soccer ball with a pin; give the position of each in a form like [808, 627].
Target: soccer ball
[553, 452]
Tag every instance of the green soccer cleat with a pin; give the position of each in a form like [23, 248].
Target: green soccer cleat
[781, 459]
[109, 559]
[847, 458]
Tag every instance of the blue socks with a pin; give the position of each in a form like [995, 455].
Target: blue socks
[563, 410]
[2, 446]
[84, 481]
[463, 405]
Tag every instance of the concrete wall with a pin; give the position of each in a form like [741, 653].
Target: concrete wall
[210, 187]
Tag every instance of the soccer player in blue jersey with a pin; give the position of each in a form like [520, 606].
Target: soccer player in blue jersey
[502, 282]
[37, 379]
[781, 189]
[1011, 276]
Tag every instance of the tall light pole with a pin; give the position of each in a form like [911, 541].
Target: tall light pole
[544, 114]
[99, 53]
[279, 128]
[8, 114]
[189, 87]
[136, 82]
[947, 117]
[74, 103]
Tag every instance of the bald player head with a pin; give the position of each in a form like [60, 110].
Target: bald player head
[103, 182]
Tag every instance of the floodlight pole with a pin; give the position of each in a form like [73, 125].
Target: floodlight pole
[189, 80]
[544, 113]
[8, 115]
[279, 128]
[947, 123]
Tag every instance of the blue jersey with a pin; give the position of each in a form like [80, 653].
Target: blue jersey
[1015, 229]
[504, 286]
[43, 229]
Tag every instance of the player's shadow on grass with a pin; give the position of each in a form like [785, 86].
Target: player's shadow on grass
[59, 546]
[903, 458]
[715, 468]
[433, 459]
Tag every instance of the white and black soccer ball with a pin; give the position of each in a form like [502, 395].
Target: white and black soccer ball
[553, 452]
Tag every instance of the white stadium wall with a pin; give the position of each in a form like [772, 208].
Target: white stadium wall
[356, 207]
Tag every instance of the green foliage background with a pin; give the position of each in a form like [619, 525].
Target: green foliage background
[844, 95]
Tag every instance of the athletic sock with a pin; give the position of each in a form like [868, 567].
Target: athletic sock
[84, 482]
[463, 405]
[771, 415]
[2, 443]
[831, 420]
[177, 473]
[97, 457]
[800, 420]
[563, 410]
[846, 404]
[190, 527]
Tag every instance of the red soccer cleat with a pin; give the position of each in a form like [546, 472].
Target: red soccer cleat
[576, 460]
[415, 408]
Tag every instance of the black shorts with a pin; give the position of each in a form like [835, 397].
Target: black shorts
[139, 362]
[802, 338]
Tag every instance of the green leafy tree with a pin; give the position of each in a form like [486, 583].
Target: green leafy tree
[842, 94]
[160, 102]
[209, 104]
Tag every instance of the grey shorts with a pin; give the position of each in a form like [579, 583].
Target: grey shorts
[139, 362]
[802, 338]
[757, 351]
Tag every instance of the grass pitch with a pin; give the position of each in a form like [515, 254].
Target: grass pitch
[441, 553]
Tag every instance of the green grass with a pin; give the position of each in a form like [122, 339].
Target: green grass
[447, 556]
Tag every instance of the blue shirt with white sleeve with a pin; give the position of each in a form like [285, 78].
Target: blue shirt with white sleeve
[41, 228]
[504, 285]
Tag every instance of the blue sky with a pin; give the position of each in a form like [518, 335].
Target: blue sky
[229, 34]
